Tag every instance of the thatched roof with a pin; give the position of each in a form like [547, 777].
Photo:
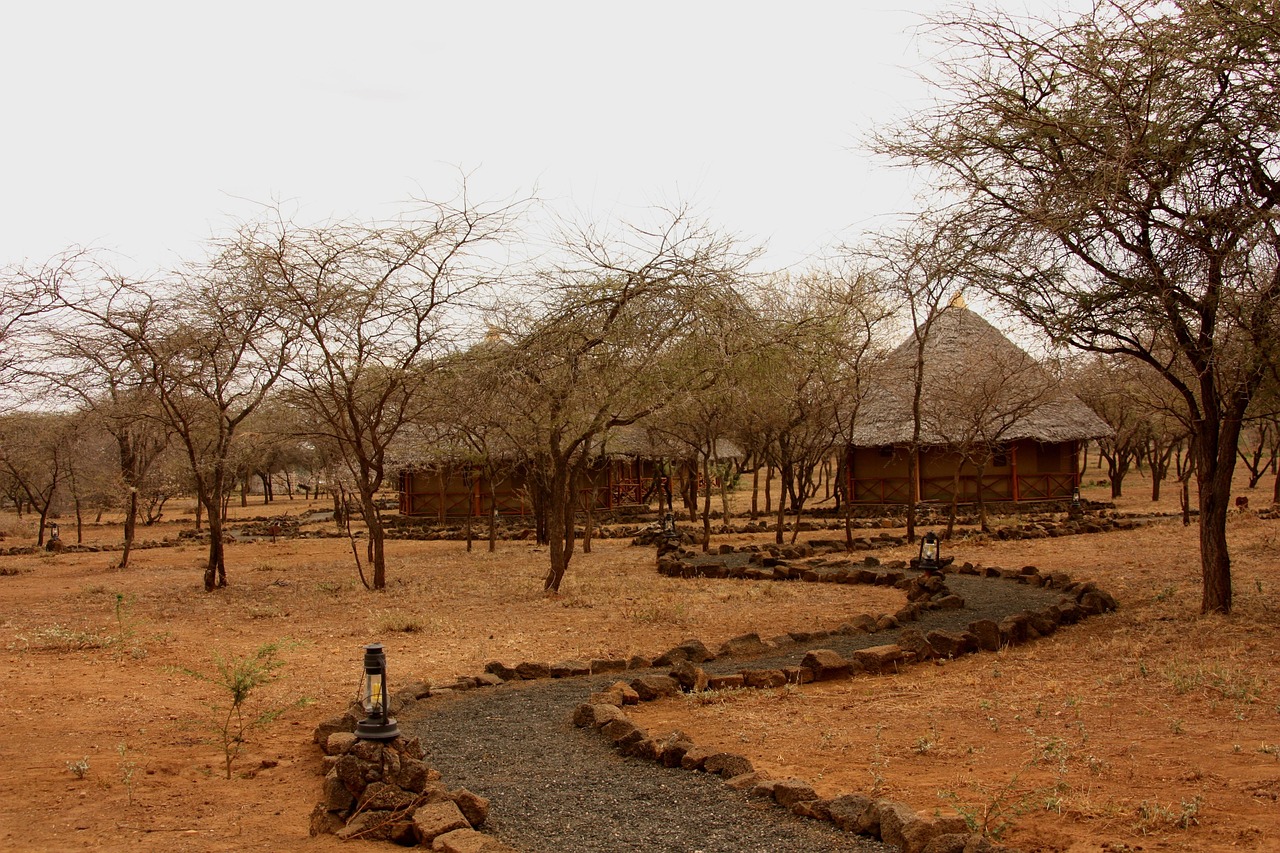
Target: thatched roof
[976, 382]
[425, 447]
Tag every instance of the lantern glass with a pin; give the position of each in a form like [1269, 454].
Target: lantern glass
[929, 548]
[374, 689]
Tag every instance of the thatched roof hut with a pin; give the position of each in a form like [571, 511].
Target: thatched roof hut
[994, 424]
[963, 354]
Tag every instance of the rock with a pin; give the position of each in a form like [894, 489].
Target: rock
[919, 832]
[987, 632]
[469, 841]
[334, 795]
[622, 732]
[948, 602]
[381, 796]
[825, 664]
[413, 776]
[501, 670]
[324, 822]
[950, 644]
[370, 826]
[744, 645]
[674, 748]
[764, 678]
[529, 670]
[650, 687]
[340, 723]
[887, 623]
[913, 641]
[788, 792]
[877, 659]
[727, 764]
[598, 665]
[853, 813]
[629, 696]
[746, 781]
[695, 757]
[691, 650]
[692, 679]
[639, 662]
[645, 749]
[894, 819]
[569, 669]
[435, 819]
[474, 807]
[339, 743]
[863, 624]
[595, 715]
[812, 809]
[725, 682]
[460, 841]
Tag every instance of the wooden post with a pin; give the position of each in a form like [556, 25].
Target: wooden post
[1013, 472]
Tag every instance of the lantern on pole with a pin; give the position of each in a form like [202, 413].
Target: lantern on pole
[374, 698]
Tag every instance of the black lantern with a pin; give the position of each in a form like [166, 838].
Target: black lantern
[53, 530]
[930, 553]
[1075, 496]
[378, 724]
[669, 525]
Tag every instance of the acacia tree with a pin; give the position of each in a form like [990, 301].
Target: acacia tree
[209, 344]
[802, 379]
[96, 369]
[35, 454]
[1122, 173]
[371, 302]
[587, 355]
[920, 269]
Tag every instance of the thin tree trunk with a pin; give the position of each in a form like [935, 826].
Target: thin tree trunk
[706, 505]
[755, 493]
[130, 528]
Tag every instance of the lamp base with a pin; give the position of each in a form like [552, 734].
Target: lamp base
[377, 729]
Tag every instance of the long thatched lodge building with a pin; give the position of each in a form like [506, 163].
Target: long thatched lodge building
[994, 425]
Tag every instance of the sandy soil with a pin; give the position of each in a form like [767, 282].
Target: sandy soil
[1153, 728]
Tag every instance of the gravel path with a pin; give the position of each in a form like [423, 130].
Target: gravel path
[554, 787]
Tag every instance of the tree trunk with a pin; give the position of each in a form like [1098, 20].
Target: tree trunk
[1215, 450]
[559, 525]
[493, 514]
[591, 520]
[755, 493]
[130, 528]
[913, 490]
[215, 570]
[783, 476]
[377, 538]
[471, 499]
[768, 489]
[983, 525]
[706, 506]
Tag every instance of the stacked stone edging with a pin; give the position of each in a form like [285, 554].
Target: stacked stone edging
[385, 791]
[891, 822]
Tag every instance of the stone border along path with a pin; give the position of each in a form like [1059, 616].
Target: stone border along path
[561, 767]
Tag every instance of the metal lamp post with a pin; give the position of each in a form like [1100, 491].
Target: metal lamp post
[378, 724]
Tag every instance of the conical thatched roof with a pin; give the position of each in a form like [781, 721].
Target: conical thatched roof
[977, 384]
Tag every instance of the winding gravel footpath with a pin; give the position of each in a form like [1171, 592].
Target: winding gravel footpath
[558, 789]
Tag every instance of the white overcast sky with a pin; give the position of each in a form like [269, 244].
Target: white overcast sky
[146, 127]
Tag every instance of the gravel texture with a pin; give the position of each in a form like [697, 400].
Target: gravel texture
[554, 787]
